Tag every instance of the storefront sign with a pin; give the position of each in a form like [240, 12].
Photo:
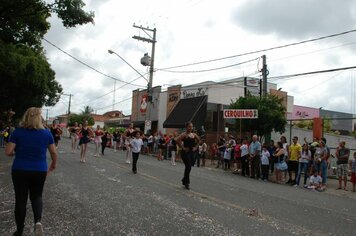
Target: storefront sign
[240, 114]
[191, 93]
[173, 97]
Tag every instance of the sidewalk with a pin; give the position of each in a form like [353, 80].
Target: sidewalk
[332, 183]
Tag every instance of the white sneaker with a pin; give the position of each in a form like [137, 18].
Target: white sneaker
[38, 229]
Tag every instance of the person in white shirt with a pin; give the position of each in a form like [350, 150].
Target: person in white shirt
[265, 163]
[303, 164]
[135, 144]
[244, 159]
[315, 181]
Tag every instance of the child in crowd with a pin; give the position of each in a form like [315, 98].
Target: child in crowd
[265, 163]
[135, 144]
[213, 153]
[202, 151]
[353, 172]
[227, 157]
[315, 181]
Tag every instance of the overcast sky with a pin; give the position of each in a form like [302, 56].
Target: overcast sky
[191, 31]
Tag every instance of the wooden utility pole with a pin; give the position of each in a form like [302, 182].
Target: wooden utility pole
[151, 39]
[264, 76]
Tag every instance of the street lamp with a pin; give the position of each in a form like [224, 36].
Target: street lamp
[112, 52]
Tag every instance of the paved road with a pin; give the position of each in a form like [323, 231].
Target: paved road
[103, 197]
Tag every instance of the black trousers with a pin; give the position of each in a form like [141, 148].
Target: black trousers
[188, 160]
[103, 146]
[28, 183]
[134, 160]
[265, 171]
[245, 169]
[256, 167]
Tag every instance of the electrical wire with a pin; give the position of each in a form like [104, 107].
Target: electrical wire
[91, 100]
[262, 50]
[312, 72]
[206, 70]
[98, 109]
[87, 65]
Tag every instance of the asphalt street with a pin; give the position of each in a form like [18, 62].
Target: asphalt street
[104, 197]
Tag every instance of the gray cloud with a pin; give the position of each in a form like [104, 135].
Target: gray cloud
[295, 19]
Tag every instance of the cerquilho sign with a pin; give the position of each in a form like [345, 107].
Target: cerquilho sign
[240, 114]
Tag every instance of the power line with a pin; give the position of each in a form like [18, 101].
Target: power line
[206, 70]
[91, 100]
[262, 50]
[98, 109]
[85, 64]
[312, 72]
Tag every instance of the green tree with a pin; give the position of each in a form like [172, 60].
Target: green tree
[26, 77]
[25, 21]
[80, 119]
[271, 114]
[87, 110]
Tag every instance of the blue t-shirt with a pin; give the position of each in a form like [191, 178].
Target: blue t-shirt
[31, 149]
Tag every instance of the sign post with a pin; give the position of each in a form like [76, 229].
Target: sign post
[240, 114]
[148, 125]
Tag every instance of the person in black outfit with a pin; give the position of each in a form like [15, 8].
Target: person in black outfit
[188, 142]
[104, 141]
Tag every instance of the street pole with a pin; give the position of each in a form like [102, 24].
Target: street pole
[152, 40]
[113, 99]
[70, 99]
[264, 76]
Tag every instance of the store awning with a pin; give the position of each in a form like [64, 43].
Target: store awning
[188, 109]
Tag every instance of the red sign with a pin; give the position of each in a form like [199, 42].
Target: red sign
[240, 114]
[144, 103]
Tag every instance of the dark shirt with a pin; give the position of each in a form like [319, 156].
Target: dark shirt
[343, 152]
[189, 143]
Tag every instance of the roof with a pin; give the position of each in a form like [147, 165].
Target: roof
[189, 109]
[99, 117]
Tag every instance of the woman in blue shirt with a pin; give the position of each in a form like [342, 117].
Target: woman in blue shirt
[29, 144]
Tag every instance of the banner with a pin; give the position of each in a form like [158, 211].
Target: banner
[240, 114]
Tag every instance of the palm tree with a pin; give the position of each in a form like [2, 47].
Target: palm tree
[87, 110]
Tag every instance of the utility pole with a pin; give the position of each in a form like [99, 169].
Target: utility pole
[152, 40]
[113, 99]
[70, 100]
[264, 76]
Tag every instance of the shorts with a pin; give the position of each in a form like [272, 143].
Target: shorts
[293, 166]
[353, 178]
[342, 170]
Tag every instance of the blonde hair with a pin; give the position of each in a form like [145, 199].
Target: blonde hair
[32, 119]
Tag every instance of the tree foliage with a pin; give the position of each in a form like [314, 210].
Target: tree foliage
[271, 114]
[87, 110]
[25, 75]
[80, 119]
[26, 79]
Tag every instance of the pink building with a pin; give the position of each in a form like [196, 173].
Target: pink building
[301, 112]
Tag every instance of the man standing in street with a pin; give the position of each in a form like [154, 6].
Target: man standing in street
[254, 151]
[342, 155]
[295, 152]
